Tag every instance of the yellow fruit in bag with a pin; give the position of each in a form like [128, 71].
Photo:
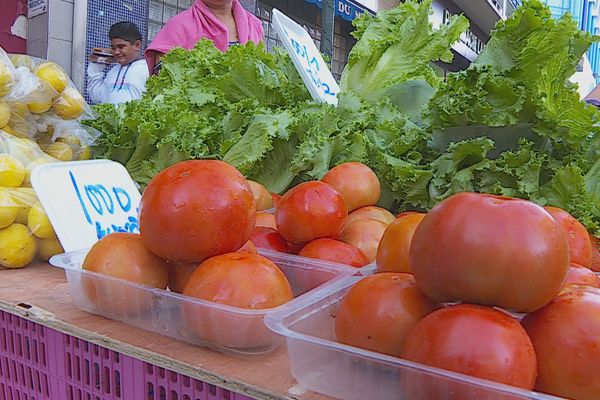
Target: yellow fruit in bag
[60, 151]
[4, 114]
[48, 248]
[40, 108]
[22, 60]
[30, 167]
[86, 153]
[8, 210]
[17, 246]
[38, 222]
[22, 215]
[6, 79]
[53, 74]
[12, 171]
[70, 139]
[70, 104]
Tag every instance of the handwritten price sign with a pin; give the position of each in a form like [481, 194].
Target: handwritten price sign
[87, 200]
[307, 59]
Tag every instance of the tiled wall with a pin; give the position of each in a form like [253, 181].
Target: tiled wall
[60, 32]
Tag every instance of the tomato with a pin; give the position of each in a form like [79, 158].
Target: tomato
[195, 210]
[248, 247]
[123, 256]
[473, 340]
[275, 197]
[595, 266]
[378, 312]
[269, 238]
[309, 211]
[393, 250]
[265, 219]
[406, 213]
[490, 250]
[371, 212]
[179, 275]
[334, 251]
[566, 337]
[357, 183]
[580, 246]
[580, 275]
[365, 234]
[242, 280]
[262, 197]
[295, 247]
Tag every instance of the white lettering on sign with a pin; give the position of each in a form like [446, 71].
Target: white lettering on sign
[307, 59]
[36, 7]
[87, 200]
[468, 38]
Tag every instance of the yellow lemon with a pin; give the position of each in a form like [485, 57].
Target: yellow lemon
[17, 246]
[86, 153]
[22, 215]
[70, 139]
[53, 74]
[70, 104]
[12, 171]
[4, 114]
[22, 60]
[20, 110]
[48, 248]
[38, 222]
[40, 108]
[30, 167]
[6, 79]
[8, 210]
[59, 150]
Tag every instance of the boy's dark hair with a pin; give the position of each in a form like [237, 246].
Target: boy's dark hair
[125, 30]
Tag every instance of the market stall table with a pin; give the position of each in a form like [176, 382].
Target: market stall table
[40, 294]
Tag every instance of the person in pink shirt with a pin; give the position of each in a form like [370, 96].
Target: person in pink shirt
[225, 22]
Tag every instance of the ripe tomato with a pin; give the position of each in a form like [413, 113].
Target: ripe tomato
[580, 275]
[595, 266]
[262, 197]
[365, 234]
[566, 334]
[269, 238]
[378, 312]
[195, 210]
[371, 212]
[473, 340]
[490, 250]
[406, 213]
[179, 275]
[241, 280]
[309, 211]
[265, 219]
[580, 247]
[123, 256]
[334, 251]
[248, 247]
[275, 197]
[357, 183]
[394, 248]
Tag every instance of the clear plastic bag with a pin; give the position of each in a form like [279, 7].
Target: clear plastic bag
[7, 73]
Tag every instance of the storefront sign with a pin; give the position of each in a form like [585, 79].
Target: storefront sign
[468, 38]
[37, 7]
[87, 200]
[346, 9]
[307, 59]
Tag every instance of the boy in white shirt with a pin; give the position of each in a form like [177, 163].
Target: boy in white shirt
[125, 81]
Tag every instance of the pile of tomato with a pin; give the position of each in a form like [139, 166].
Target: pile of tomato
[489, 286]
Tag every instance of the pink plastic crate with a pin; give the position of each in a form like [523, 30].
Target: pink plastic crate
[39, 363]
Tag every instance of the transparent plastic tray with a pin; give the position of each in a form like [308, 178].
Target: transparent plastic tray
[228, 329]
[321, 364]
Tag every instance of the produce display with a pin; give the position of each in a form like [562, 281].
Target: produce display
[39, 107]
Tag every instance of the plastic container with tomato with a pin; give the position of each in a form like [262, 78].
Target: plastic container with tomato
[228, 329]
[320, 363]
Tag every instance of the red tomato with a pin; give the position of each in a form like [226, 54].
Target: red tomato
[566, 337]
[371, 212]
[269, 238]
[379, 311]
[357, 183]
[295, 247]
[275, 197]
[262, 197]
[473, 340]
[265, 219]
[406, 213]
[580, 275]
[580, 247]
[334, 251]
[310, 211]
[365, 234]
[179, 275]
[123, 256]
[394, 248]
[241, 280]
[595, 266]
[195, 210]
[490, 250]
